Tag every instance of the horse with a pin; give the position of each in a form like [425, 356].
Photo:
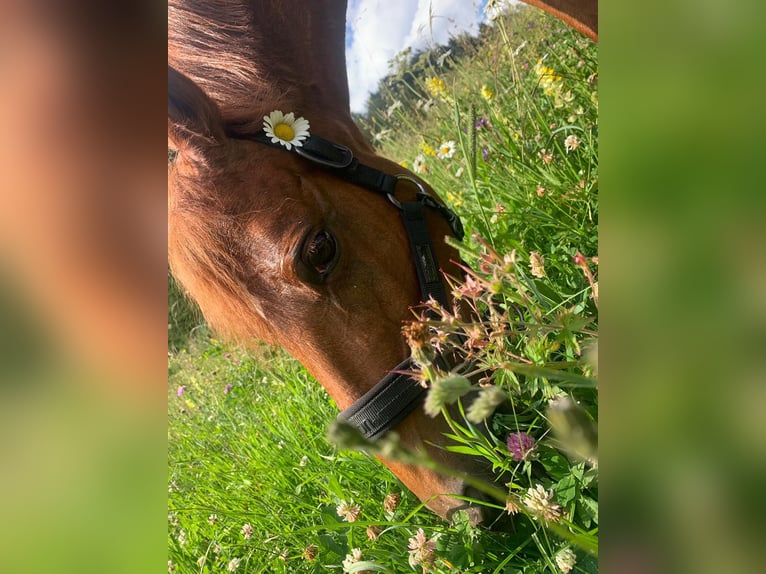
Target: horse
[321, 247]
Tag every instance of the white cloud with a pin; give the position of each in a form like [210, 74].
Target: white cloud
[379, 29]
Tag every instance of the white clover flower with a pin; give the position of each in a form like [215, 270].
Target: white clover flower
[351, 559]
[247, 531]
[285, 129]
[233, 564]
[540, 503]
[348, 510]
[571, 143]
[565, 560]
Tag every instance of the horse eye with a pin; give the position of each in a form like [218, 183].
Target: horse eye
[320, 252]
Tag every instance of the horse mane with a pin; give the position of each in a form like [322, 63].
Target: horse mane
[217, 44]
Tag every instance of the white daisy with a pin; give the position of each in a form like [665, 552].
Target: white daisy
[285, 129]
[419, 165]
[446, 150]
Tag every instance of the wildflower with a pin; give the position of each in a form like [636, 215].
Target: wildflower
[404, 164]
[418, 338]
[485, 153]
[428, 150]
[227, 388]
[233, 564]
[310, 552]
[217, 549]
[373, 532]
[421, 550]
[419, 164]
[348, 510]
[393, 107]
[539, 502]
[481, 123]
[470, 288]
[549, 80]
[180, 390]
[391, 501]
[445, 391]
[459, 171]
[285, 129]
[247, 531]
[511, 505]
[485, 404]
[545, 156]
[540, 191]
[521, 445]
[447, 150]
[212, 519]
[571, 143]
[436, 86]
[182, 538]
[487, 93]
[173, 518]
[565, 560]
[351, 559]
[171, 566]
[537, 264]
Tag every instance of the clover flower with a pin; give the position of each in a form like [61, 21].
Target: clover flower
[348, 510]
[565, 560]
[421, 550]
[310, 552]
[540, 503]
[571, 143]
[373, 532]
[521, 445]
[351, 559]
[391, 501]
[537, 264]
[233, 564]
[247, 531]
[285, 129]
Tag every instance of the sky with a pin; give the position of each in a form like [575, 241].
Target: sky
[377, 30]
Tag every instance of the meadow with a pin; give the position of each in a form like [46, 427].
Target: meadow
[505, 128]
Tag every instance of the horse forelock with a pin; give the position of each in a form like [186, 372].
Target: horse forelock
[220, 45]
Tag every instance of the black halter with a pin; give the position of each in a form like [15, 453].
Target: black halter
[397, 394]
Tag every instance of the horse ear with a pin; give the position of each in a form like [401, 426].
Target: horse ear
[194, 122]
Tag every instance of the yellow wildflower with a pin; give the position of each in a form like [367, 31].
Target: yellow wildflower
[428, 150]
[487, 93]
[436, 86]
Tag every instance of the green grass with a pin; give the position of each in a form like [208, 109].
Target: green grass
[247, 436]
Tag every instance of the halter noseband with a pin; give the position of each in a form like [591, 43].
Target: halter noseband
[397, 394]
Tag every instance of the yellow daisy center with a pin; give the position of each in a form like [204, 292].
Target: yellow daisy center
[284, 132]
[445, 149]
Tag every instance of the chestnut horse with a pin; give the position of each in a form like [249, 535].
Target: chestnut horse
[276, 246]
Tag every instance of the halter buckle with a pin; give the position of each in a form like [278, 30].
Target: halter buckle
[324, 152]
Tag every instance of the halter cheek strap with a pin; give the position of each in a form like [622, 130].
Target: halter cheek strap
[397, 394]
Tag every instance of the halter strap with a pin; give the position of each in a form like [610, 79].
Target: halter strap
[397, 394]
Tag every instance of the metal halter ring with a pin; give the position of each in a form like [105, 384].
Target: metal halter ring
[422, 192]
